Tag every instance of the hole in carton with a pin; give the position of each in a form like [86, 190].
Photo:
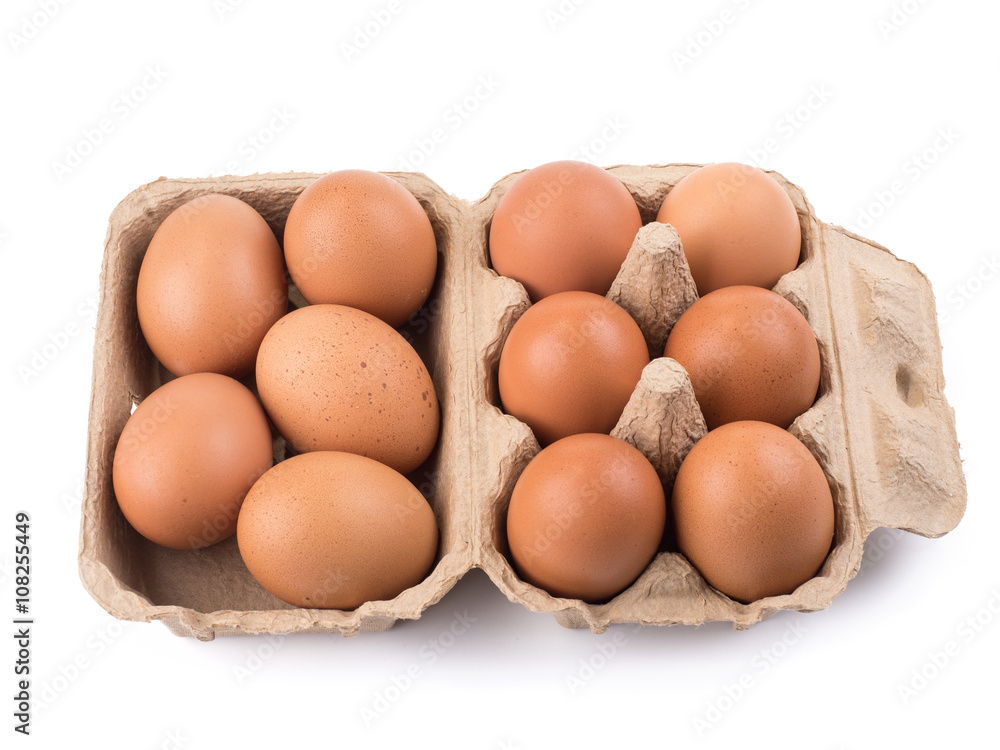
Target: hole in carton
[910, 392]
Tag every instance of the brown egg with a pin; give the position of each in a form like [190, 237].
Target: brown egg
[331, 530]
[736, 224]
[570, 364]
[563, 226]
[361, 239]
[586, 517]
[750, 355]
[187, 457]
[211, 284]
[753, 511]
[333, 378]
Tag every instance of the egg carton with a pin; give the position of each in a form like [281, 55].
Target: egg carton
[880, 428]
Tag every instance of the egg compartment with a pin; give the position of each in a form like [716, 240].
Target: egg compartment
[902, 437]
[209, 592]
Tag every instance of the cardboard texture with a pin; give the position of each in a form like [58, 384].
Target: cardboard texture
[880, 428]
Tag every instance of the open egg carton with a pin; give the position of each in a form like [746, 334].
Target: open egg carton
[880, 428]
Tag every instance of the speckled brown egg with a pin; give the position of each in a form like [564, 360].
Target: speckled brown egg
[187, 457]
[361, 239]
[750, 355]
[211, 284]
[586, 517]
[563, 226]
[333, 378]
[330, 530]
[737, 226]
[570, 364]
[753, 511]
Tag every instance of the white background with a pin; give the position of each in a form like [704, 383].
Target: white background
[852, 93]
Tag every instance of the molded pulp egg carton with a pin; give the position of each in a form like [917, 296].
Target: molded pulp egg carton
[880, 428]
